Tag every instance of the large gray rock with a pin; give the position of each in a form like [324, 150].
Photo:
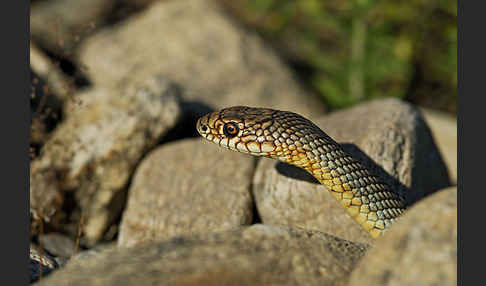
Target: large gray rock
[421, 249]
[194, 43]
[389, 136]
[256, 255]
[59, 25]
[444, 130]
[58, 244]
[83, 257]
[187, 187]
[397, 139]
[95, 149]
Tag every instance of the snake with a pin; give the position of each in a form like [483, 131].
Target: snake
[295, 140]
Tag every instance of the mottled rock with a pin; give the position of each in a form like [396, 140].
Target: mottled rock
[41, 264]
[45, 195]
[187, 187]
[389, 136]
[194, 43]
[84, 256]
[421, 249]
[94, 150]
[60, 25]
[444, 131]
[57, 244]
[45, 112]
[49, 90]
[256, 255]
[57, 82]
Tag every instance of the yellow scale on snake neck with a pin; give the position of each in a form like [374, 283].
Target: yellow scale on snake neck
[289, 137]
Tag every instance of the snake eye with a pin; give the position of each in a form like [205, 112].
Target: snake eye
[230, 129]
[204, 128]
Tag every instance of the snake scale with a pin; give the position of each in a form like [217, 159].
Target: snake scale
[293, 139]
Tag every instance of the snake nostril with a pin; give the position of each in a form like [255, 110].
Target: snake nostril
[204, 128]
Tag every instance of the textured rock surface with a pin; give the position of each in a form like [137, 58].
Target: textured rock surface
[421, 249]
[45, 110]
[390, 132]
[256, 255]
[57, 244]
[187, 187]
[45, 195]
[56, 81]
[83, 257]
[60, 24]
[195, 44]
[93, 152]
[444, 130]
[49, 89]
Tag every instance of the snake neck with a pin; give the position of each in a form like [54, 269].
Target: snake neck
[365, 197]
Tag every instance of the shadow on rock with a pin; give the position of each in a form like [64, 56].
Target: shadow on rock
[192, 110]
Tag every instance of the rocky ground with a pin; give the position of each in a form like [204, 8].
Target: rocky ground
[123, 192]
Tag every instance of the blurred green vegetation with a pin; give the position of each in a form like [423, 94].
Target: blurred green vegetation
[353, 50]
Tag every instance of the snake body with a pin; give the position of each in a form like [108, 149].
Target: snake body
[293, 139]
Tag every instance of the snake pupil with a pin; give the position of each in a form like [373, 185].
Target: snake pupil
[230, 129]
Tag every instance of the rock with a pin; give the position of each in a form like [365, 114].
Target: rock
[299, 200]
[444, 131]
[256, 255]
[45, 112]
[421, 248]
[38, 134]
[49, 90]
[45, 196]
[59, 25]
[57, 82]
[396, 138]
[84, 256]
[187, 187]
[194, 43]
[95, 149]
[41, 264]
[57, 244]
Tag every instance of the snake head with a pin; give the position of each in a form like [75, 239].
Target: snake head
[241, 129]
[281, 135]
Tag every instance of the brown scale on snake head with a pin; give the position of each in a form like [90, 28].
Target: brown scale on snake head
[289, 137]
